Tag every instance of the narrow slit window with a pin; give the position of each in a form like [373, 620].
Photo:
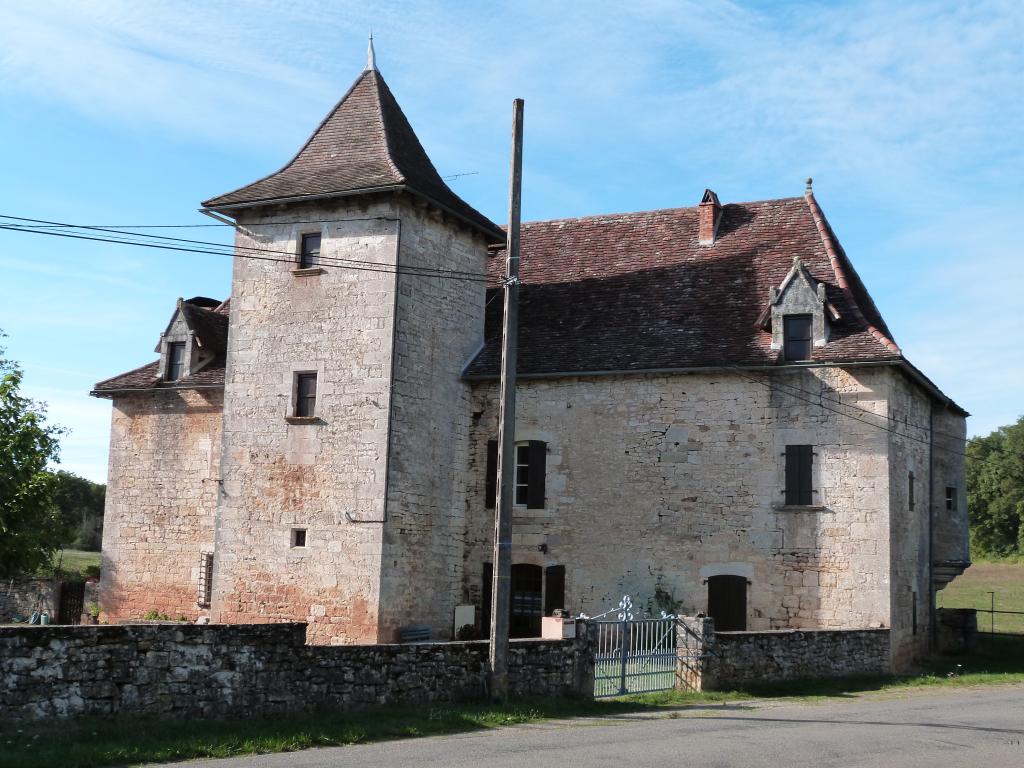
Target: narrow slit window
[910, 490]
[175, 360]
[796, 337]
[951, 498]
[305, 395]
[309, 251]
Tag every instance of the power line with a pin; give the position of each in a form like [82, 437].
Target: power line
[43, 226]
[324, 260]
[822, 396]
[851, 416]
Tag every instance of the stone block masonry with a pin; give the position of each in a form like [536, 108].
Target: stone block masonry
[724, 660]
[256, 670]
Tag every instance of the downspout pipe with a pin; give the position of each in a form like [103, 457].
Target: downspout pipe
[932, 634]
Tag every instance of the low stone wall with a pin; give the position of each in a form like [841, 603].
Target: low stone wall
[722, 660]
[956, 630]
[256, 670]
[21, 597]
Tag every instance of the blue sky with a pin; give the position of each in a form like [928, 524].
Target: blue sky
[908, 115]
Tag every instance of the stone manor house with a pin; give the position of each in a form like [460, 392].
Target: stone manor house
[712, 416]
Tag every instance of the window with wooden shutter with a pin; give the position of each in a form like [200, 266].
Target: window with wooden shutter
[486, 595]
[796, 337]
[799, 460]
[309, 251]
[305, 395]
[554, 589]
[537, 452]
[491, 489]
[175, 360]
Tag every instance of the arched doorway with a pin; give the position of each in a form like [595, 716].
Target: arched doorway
[727, 602]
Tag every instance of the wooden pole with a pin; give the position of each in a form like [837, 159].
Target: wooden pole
[500, 601]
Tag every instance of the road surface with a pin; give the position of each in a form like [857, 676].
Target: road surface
[980, 728]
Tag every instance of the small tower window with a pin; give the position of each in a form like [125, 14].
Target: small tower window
[796, 337]
[910, 490]
[309, 252]
[298, 538]
[950, 498]
[305, 395]
[175, 360]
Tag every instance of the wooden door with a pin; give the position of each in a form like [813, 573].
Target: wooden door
[526, 603]
[727, 603]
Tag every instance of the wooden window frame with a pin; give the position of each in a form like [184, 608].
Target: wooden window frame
[182, 364]
[305, 406]
[307, 261]
[789, 339]
[534, 465]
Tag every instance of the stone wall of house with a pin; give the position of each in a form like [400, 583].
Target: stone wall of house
[656, 482]
[440, 328]
[161, 501]
[185, 671]
[23, 597]
[952, 536]
[280, 475]
[383, 535]
[725, 660]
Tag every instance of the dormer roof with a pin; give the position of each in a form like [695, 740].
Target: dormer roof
[365, 145]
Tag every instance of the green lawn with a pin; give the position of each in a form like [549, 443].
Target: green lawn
[72, 562]
[971, 590]
[128, 741]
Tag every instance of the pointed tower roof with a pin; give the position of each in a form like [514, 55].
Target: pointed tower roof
[365, 145]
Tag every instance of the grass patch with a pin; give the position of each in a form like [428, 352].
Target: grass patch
[73, 563]
[1005, 577]
[95, 742]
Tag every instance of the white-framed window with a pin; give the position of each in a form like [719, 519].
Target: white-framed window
[522, 476]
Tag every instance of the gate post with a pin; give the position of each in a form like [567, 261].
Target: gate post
[695, 640]
[624, 654]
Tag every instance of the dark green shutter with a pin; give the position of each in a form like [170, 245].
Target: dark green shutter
[799, 459]
[554, 588]
[491, 490]
[538, 459]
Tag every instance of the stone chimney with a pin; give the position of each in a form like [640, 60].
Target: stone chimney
[710, 216]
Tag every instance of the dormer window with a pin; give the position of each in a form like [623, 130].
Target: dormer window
[309, 251]
[797, 337]
[175, 360]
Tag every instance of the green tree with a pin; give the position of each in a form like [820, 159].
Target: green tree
[30, 528]
[80, 508]
[995, 490]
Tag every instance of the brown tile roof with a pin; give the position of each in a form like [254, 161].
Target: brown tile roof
[365, 144]
[210, 327]
[633, 292]
[147, 377]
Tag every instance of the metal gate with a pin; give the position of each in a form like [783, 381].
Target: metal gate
[72, 599]
[634, 655]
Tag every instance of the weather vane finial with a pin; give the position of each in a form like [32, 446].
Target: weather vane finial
[371, 57]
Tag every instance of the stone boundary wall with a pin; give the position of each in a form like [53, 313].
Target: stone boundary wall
[20, 597]
[723, 660]
[256, 670]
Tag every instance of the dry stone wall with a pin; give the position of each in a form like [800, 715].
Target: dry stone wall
[23, 597]
[161, 501]
[726, 660]
[255, 671]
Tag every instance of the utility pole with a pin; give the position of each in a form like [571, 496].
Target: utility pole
[507, 424]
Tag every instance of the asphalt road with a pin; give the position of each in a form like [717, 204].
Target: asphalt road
[980, 728]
